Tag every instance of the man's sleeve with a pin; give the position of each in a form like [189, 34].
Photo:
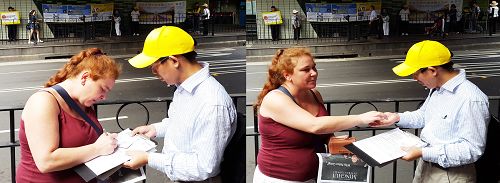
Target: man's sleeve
[413, 119]
[471, 129]
[212, 134]
[161, 127]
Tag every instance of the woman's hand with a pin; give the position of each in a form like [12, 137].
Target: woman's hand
[390, 118]
[371, 117]
[106, 143]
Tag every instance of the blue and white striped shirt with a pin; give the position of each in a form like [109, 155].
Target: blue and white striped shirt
[454, 119]
[202, 119]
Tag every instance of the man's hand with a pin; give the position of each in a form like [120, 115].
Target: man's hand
[149, 131]
[413, 153]
[139, 159]
[390, 118]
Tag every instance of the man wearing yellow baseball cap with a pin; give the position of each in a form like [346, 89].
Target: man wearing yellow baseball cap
[201, 118]
[454, 116]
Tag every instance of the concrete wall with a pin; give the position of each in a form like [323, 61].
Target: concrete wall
[286, 30]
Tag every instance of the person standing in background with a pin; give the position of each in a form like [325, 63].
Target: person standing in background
[404, 14]
[453, 18]
[385, 20]
[493, 17]
[135, 21]
[12, 28]
[117, 18]
[296, 24]
[374, 21]
[206, 19]
[34, 27]
[196, 17]
[275, 28]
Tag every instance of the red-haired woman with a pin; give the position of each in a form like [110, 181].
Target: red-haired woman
[293, 120]
[54, 138]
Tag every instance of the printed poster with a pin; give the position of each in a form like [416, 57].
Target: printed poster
[342, 169]
[10, 18]
[272, 18]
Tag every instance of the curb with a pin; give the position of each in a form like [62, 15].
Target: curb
[41, 52]
[369, 49]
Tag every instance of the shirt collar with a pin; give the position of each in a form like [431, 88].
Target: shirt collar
[451, 84]
[194, 80]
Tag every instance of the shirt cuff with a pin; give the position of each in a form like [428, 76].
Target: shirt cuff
[403, 118]
[162, 162]
[431, 154]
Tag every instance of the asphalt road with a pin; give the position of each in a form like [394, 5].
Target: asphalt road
[19, 80]
[372, 78]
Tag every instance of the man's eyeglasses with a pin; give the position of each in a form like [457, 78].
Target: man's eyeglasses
[163, 59]
[160, 61]
[422, 70]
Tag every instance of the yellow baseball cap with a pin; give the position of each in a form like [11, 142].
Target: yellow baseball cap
[162, 42]
[421, 55]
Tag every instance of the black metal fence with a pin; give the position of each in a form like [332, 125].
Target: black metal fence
[78, 30]
[349, 28]
[13, 143]
[394, 105]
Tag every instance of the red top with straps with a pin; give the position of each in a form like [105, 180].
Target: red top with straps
[287, 153]
[73, 132]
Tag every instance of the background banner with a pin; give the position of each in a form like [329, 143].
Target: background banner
[162, 12]
[10, 17]
[75, 13]
[272, 18]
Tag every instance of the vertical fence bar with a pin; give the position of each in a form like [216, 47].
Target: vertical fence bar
[373, 168]
[395, 164]
[12, 147]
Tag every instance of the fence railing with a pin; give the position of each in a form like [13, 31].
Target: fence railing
[78, 30]
[349, 28]
[394, 105]
[13, 143]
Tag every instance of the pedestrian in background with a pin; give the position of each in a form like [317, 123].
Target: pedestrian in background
[12, 28]
[135, 21]
[404, 23]
[453, 18]
[385, 20]
[197, 10]
[33, 27]
[493, 17]
[476, 11]
[453, 117]
[117, 18]
[296, 24]
[275, 28]
[205, 19]
[373, 24]
[53, 137]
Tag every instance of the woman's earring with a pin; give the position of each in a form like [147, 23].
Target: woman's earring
[83, 83]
